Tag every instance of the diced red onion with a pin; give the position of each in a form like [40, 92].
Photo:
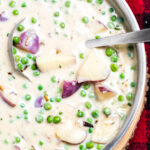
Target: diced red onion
[39, 102]
[69, 88]
[3, 16]
[29, 41]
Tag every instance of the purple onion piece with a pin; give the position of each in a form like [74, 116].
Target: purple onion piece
[29, 41]
[39, 102]
[3, 17]
[69, 88]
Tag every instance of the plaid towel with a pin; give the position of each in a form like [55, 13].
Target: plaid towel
[141, 139]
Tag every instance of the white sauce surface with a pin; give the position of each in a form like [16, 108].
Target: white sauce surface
[71, 41]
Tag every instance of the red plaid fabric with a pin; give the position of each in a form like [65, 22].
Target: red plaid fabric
[141, 139]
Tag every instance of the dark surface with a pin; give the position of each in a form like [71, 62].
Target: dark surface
[141, 139]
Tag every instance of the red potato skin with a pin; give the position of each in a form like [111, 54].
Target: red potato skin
[69, 88]
[103, 93]
[29, 41]
[6, 100]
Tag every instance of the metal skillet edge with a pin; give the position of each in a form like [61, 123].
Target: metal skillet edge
[122, 7]
[10, 45]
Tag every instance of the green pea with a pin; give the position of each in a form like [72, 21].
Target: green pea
[16, 40]
[90, 130]
[83, 93]
[109, 51]
[132, 84]
[113, 18]
[86, 86]
[18, 140]
[107, 111]
[58, 99]
[97, 37]
[57, 119]
[39, 119]
[24, 60]
[114, 58]
[120, 20]
[25, 117]
[90, 120]
[40, 87]
[41, 143]
[60, 113]
[85, 20]
[114, 67]
[111, 10]
[67, 3]
[120, 98]
[47, 106]
[25, 112]
[19, 66]
[12, 4]
[6, 141]
[14, 51]
[56, 14]
[50, 119]
[51, 99]
[81, 147]
[53, 1]
[15, 12]
[129, 96]
[89, 145]
[122, 76]
[27, 97]
[33, 20]
[29, 56]
[53, 79]
[36, 73]
[22, 105]
[20, 28]
[103, 13]
[111, 25]
[33, 67]
[89, 1]
[95, 114]
[99, 147]
[88, 105]
[62, 25]
[99, 1]
[34, 58]
[81, 55]
[23, 5]
[80, 114]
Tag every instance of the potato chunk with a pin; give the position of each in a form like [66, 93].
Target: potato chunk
[94, 68]
[70, 133]
[105, 130]
[47, 63]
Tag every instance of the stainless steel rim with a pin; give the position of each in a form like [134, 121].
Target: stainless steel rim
[126, 11]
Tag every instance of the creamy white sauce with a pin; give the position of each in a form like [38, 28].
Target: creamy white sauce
[71, 41]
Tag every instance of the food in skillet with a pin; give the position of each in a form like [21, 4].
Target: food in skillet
[76, 98]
